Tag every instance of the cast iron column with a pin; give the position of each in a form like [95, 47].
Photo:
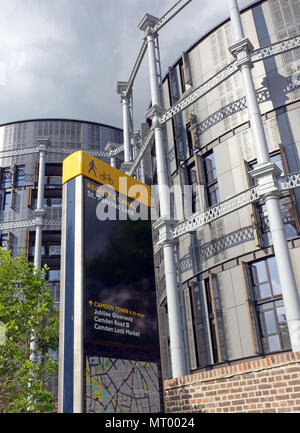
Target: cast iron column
[164, 224]
[267, 175]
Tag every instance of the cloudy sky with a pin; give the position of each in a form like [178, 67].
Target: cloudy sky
[63, 58]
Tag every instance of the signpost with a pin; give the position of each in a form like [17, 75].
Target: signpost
[109, 344]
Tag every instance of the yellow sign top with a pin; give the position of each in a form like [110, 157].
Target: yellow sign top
[81, 163]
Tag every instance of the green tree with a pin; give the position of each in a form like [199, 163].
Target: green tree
[28, 311]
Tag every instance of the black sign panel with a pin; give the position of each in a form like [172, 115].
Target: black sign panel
[120, 310]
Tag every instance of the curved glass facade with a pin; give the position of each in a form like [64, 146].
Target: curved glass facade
[231, 298]
[19, 172]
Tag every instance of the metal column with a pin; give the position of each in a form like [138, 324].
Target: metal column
[164, 224]
[39, 214]
[267, 175]
[39, 211]
[121, 89]
[113, 161]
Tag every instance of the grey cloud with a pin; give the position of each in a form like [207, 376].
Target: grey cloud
[63, 58]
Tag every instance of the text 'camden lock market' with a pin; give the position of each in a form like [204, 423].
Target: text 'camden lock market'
[129, 202]
[120, 323]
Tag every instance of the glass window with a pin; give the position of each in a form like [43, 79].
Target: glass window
[259, 272]
[289, 222]
[180, 137]
[182, 79]
[192, 174]
[269, 306]
[50, 244]
[6, 178]
[53, 174]
[213, 194]
[55, 202]
[278, 161]
[53, 198]
[211, 318]
[265, 279]
[282, 323]
[20, 175]
[275, 335]
[192, 179]
[6, 201]
[54, 250]
[4, 241]
[53, 180]
[54, 275]
[274, 277]
[210, 168]
[286, 206]
[189, 139]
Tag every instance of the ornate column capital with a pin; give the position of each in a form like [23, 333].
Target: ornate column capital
[126, 166]
[267, 175]
[121, 90]
[241, 52]
[147, 24]
[38, 215]
[155, 113]
[42, 143]
[165, 228]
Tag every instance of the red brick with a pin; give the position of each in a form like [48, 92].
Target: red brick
[198, 395]
[236, 402]
[252, 400]
[293, 369]
[225, 404]
[283, 410]
[282, 397]
[279, 384]
[208, 394]
[254, 391]
[264, 386]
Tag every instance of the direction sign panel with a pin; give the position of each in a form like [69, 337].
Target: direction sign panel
[109, 308]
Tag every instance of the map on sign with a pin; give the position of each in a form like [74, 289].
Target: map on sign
[121, 386]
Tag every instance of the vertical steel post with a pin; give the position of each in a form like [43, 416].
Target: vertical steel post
[39, 214]
[121, 88]
[39, 211]
[164, 224]
[267, 174]
[113, 161]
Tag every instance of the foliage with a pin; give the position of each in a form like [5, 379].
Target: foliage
[29, 314]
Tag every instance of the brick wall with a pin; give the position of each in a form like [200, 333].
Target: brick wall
[271, 384]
